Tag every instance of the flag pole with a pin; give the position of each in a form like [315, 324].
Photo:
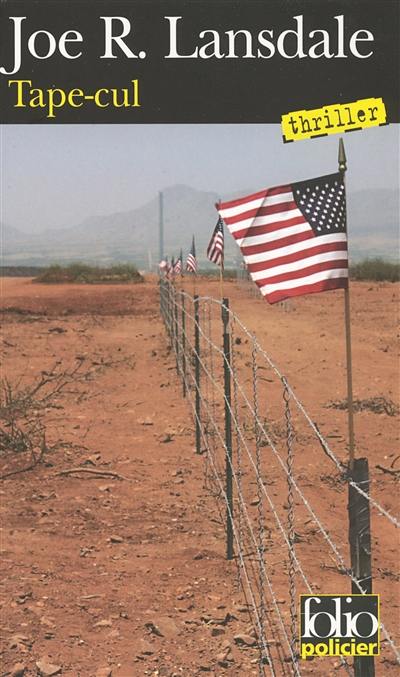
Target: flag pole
[221, 268]
[181, 273]
[350, 407]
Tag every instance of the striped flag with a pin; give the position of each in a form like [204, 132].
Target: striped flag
[170, 269]
[215, 249]
[178, 265]
[293, 238]
[191, 263]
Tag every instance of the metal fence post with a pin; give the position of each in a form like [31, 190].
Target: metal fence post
[176, 329]
[197, 372]
[183, 326]
[228, 427]
[164, 291]
[162, 298]
[360, 548]
[168, 307]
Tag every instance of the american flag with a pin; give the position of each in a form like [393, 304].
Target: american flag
[215, 249]
[178, 265]
[170, 269]
[191, 263]
[293, 238]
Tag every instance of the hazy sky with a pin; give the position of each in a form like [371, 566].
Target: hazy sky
[57, 176]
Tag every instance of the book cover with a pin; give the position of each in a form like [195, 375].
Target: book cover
[199, 456]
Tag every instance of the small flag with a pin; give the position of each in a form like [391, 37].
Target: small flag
[170, 271]
[191, 263]
[293, 237]
[178, 265]
[215, 249]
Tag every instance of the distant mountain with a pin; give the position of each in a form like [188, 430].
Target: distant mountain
[373, 223]
[133, 235]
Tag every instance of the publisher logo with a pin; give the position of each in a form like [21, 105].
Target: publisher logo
[339, 625]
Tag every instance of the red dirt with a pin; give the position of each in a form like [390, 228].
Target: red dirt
[89, 563]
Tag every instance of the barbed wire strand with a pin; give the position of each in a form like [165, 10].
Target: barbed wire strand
[302, 409]
[265, 646]
[303, 498]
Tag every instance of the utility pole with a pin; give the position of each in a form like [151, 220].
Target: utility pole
[161, 226]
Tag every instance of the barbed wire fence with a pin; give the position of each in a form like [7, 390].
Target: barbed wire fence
[261, 449]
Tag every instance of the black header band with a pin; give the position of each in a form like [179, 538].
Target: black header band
[204, 61]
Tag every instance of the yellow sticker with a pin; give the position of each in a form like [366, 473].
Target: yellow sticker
[334, 119]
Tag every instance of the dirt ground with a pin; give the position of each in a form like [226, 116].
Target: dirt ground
[127, 576]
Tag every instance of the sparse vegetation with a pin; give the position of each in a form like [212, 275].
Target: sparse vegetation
[378, 405]
[228, 274]
[376, 269]
[20, 271]
[86, 274]
[22, 412]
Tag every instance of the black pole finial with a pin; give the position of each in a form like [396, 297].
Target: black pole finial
[342, 157]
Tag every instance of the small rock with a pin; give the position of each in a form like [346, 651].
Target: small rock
[116, 539]
[18, 670]
[165, 627]
[244, 640]
[215, 632]
[57, 330]
[47, 669]
[166, 438]
[104, 672]
[145, 648]
[103, 624]
[146, 421]
[21, 599]
[20, 642]
[255, 501]
[225, 657]
[200, 555]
